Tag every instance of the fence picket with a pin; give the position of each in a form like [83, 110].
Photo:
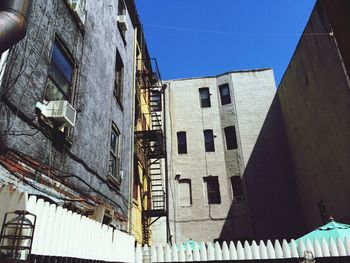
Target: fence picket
[196, 256]
[225, 251]
[301, 248]
[333, 248]
[182, 254]
[146, 257]
[347, 245]
[255, 250]
[167, 253]
[278, 249]
[217, 251]
[325, 248]
[211, 254]
[263, 250]
[203, 252]
[341, 247]
[138, 254]
[309, 247]
[270, 250]
[247, 250]
[293, 249]
[317, 249]
[188, 253]
[286, 250]
[174, 253]
[154, 257]
[240, 251]
[233, 251]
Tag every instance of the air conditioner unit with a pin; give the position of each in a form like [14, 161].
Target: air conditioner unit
[78, 6]
[59, 111]
[122, 22]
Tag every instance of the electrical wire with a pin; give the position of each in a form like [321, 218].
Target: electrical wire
[251, 34]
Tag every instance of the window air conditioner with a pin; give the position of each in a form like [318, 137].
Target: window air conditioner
[59, 111]
[78, 6]
[122, 22]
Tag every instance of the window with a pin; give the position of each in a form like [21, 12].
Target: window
[237, 188]
[60, 79]
[231, 138]
[121, 23]
[225, 94]
[209, 141]
[185, 192]
[119, 78]
[114, 154]
[181, 142]
[213, 189]
[205, 97]
[136, 183]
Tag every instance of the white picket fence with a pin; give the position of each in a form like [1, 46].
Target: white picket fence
[63, 233]
[214, 252]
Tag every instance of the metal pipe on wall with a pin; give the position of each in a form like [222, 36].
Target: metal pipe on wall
[13, 22]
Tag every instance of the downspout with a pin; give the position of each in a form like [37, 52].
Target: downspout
[13, 22]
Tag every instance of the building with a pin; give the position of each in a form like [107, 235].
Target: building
[213, 126]
[67, 96]
[149, 198]
[298, 173]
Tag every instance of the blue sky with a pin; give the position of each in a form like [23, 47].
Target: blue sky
[192, 38]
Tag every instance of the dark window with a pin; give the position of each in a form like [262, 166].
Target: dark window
[213, 189]
[114, 154]
[205, 97]
[121, 8]
[237, 188]
[119, 79]
[231, 138]
[181, 142]
[61, 71]
[136, 183]
[225, 94]
[209, 141]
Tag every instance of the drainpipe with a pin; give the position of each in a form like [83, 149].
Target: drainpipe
[13, 22]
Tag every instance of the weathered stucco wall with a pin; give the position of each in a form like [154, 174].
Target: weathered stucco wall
[94, 53]
[315, 102]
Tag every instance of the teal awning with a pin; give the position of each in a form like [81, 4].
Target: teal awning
[332, 229]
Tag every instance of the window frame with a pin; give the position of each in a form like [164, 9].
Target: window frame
[209, 145]
[213, 196]
[225, 99]
[237, 188]
[231, 138]
[185, 181]
[205, 103]
[115, 154]
[181, 148]
[118, 79]
[59, 44]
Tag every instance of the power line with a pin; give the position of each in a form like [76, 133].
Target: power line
[252, 34]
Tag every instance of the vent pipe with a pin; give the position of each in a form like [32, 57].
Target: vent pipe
[13, 22]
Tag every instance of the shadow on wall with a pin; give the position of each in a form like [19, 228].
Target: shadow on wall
[269, 179]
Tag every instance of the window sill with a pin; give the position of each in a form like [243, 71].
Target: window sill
[113, 182]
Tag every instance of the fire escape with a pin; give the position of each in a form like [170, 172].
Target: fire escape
[151, 141]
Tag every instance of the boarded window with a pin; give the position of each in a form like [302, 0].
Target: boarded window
[231, 138]
[181, 142]
[213, 189]
[209, 141]
[204, 97]
[225, 94]
[237, 188]
[185, 192]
